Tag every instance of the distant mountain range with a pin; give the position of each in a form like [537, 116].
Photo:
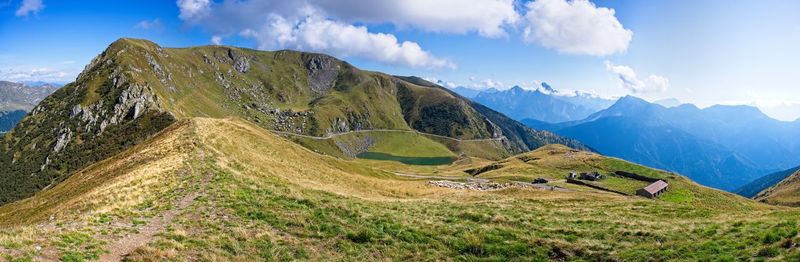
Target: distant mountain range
[542, 104]
[20, 96]
[720, 146]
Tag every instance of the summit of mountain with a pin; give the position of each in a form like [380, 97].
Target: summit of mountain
[135, 89]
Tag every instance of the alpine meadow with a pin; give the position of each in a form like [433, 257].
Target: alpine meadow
[494, 130]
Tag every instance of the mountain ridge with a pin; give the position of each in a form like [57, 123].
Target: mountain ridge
[136, 88]
[542, 104]
[20, 96]
[769, 146]
[755, 187]
[785, 193]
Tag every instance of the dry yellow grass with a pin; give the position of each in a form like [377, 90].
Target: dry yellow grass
[268, 193]
[785, 193]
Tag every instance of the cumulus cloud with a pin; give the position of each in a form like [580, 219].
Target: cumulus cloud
[575, 27]
[193, 9]
[154, 24]
[217, 40]
[488, 18]
[328, 36]
[298, 25]
[629, 80]
[36, 74]
[29, 7]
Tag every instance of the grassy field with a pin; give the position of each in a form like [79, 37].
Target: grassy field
[261, 197]
[396, 143]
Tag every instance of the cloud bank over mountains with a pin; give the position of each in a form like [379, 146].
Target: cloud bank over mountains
[35, 74]
[341, 27]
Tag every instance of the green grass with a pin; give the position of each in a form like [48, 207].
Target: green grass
[407, 145]
[262, 203]
[408, 160]
[332, 227]
[395, 143]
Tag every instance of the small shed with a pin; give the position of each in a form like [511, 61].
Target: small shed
[591, 176]
[653, 190]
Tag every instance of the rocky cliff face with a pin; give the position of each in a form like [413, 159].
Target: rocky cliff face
[104, 112]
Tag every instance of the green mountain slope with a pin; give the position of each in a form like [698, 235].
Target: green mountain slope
[228, 190]
[136, 88]
[785, 193]
[8, 119]
[707, 145]
[756, 186]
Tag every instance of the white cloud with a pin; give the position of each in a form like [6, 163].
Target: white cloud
[328, 36]
[193, 9]
[319, 25]
[781, 110]
[36, 74]
[29, 6]
[440, 82]
[488, 83]
[298, 25]
[488, 18]
[154, 24]
[630, 81]
[575, 27]
[217, 40]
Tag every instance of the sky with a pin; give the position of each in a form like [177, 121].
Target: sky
[702, 52]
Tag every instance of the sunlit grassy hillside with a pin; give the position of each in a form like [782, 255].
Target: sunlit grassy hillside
[786, 193]
[136, 88]
[225, 189]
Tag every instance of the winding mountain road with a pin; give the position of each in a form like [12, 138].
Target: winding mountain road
[329, 136]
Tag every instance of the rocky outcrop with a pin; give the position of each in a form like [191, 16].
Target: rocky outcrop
[322, 72]
[240, 62]
[356, 146]
[63, 140]
[489, 186]
[109, 108]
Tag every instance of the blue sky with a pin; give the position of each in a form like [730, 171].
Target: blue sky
[703, 52]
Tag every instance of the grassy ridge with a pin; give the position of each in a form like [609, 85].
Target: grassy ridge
[401, 143]
[135, 88]
[263, 204]
[786, 193]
